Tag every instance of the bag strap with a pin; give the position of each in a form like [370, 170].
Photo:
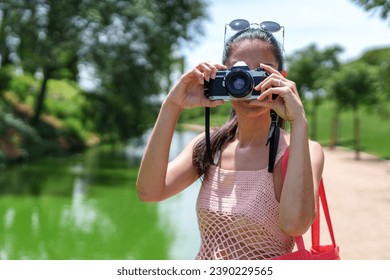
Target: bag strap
[315, 228]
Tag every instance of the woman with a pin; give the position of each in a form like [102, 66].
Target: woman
[244, 211]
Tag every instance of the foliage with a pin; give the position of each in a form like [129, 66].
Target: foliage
[354, 85]
[5, 78]
[61, 128]
[134, 56]
[65, 99]
[380, 58]
[309, 66]
[17, 139]
[45, 39]
[381, 6]
[309, 69]
[130, 46]
[24, 87]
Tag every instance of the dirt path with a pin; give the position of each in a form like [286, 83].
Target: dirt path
[358, 195]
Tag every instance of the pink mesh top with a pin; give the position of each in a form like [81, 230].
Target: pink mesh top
[238, 216]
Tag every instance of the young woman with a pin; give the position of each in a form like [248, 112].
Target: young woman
[244, 211]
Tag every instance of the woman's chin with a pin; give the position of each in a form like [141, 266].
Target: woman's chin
[245, 107]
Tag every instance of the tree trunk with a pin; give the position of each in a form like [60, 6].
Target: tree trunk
[356, 130]
[41, 98]
[335, 130]
[4, 50]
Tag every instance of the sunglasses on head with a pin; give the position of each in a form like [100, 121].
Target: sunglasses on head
[238, 25]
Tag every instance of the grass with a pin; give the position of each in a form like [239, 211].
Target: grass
[374, 129]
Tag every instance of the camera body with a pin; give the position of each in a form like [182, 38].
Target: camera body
[235, 83]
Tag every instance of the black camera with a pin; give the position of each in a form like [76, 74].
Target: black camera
[235, 83]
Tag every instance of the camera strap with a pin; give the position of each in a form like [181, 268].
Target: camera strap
[273, 140]
[207, 134]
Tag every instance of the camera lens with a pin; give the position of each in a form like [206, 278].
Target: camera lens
[239, 83]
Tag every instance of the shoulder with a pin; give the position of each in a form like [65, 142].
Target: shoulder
[316, 151]
[317, 157]
[197, 138]
[314, 147]
[192, 144]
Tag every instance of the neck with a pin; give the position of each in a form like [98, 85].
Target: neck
[252, 132]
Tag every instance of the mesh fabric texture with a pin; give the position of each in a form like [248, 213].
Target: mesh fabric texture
[238, 216]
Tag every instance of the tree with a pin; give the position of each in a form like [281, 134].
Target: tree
[5, 49]
[47, 38]
[133, 56]
[352, 86]
[309, 68]
[381, 59]
[382, 6]
[130, 44]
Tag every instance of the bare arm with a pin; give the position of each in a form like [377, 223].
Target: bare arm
[151, 183]
[298, 196]
[157, 178]
[300, 188]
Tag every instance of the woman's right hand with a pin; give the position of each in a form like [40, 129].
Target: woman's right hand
[158, 178]
[188, 91]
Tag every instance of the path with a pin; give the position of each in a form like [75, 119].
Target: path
[358, 195]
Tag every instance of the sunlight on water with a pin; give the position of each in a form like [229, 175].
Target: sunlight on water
[179, 212]
[82, 215]
[9, 217]
[179, 217]
[35, 221]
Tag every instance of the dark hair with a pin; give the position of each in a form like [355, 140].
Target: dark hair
[226, 133]
[255, 34]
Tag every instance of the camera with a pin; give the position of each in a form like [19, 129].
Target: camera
[235, 83]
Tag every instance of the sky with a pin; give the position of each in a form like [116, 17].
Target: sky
[323, 22]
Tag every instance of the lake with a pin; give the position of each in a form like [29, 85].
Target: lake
[86, 207]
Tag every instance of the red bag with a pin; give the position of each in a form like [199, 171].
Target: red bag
[317, 251]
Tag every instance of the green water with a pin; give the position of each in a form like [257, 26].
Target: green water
[86, 207]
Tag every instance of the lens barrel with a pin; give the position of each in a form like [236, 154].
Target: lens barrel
[239, 83]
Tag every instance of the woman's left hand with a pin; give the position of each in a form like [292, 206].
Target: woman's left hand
[288, 105]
